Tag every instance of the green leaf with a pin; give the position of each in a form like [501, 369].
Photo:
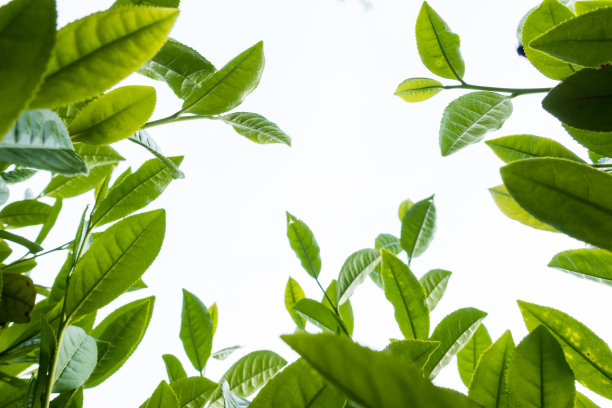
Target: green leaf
[583, 402]
[193, 392]
[583, 100]
[163, 397]
[319, 315]
[434, 282]
[418, 227]
[304, 244]
[69, 399]
[24, 213]
[406, 295]
[389, 242]
[20, 267]
[438, 46]
[598, 142]
[156, 3]
[94, 53]
[213, 311]
[298, 386]
[293, 294]
[232, 400]
[134, 192]
[17, 298]
[520, 147]
[248, 374]
[143, 139]
[586, 6]
[549, 14]
[119, 334]
[584, 40]
[181, 67]
[453, 332]
[5, 251]
[468, 118]
[66, 187]
[513, 210]
[418, 89]
[588, 355]
[48, 345]
[227, 88]
[470, 354]
[593, 264]
[369, 378]
[355, 270]
[196, 330]
[403, 208]
[256, 128]
[224, 353]
[415, 352]
[345, 309]
[27, 28]
[31, 246]
[113, 116]
[50, 221]
[488, 386]
[538, 375]
[115, 260]
[174, 368]
[17, 175]
[76, 359]
[39, 139]
[558, 192]
[96, 156]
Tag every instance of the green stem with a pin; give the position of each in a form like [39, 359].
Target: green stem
[174, 118]
[513, 91]
[602, 165]
[23, 259]
[334, 307]
[53, 366]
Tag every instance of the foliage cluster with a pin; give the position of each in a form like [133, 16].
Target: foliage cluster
[58, 115]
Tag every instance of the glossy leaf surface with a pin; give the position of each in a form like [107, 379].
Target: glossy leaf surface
[418, 89]
[418, 227]
[588, 355]
[227, 88]
[513, 210]
[196, 330]
[113, 116]
[76, 360]
[469, 355]
[468, 118]
[558, 192]
[256, 128]
[115, 260]
[434, 282]
[438, 46]
[406, 295]
[94, 53]
[593, 264]
[304, 244]
[520, 147]
[354, 271]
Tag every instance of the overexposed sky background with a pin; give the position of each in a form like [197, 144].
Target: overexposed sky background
[358, 151]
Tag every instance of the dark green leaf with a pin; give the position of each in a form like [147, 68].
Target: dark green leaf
[66, 187]
[355, 270]
[593, 264]
[406, 295]
[319, 315]
[418, 89]
[298, 386]
[5, 250]
[115, 260]
[453, 332]
[434, 282]
[196, 330]
[193, 392]
[583, 100]
[76, 359]
[227, 88]
[113, 116]
[418, 227]
[134, 192]
[369, 378]
[293, 294]
[94, 53]
[519, 147]
[17, 300]
[468, 118]
[513, 210]
[24, 213]
[181, 67]
[588, 355]
[119, 334]
[488, 386]
[583, 40]
[304, 244]
[559, 192]
[143, 139]
[468, 357]
[39, 139]
[27, 28]
[438, 46]
[256, 128]
[538, 375]
[174, 368]
[415, 352]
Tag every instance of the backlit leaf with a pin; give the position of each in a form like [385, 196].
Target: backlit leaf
[598, 142]
[468, 118]
[586, 6]
[418, 89]
[304, 244]
[469, 355]
[66, 187]
[31, 246]
[345, 309]
[434, 282]
[583, 402]
[319, 315]
[593, 264]
[193, 392]
[95, 52]
[174, 368]
[418, 227]
[293, 294]
[145, 140]
[256, 128]
[163, 397]
[412, 351]
[97, 155]
[24, 213]
[196, 330]
[520, 147]
[355, 270]
[76, 360]
[558, 192]
[227, 88]
[512, 209]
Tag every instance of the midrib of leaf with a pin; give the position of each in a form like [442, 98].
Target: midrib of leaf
[129, 192]
[184, 78]
[304, 249]
[109, 44]
[442, 48]
[404, 303]
[314, 398]
[70, 359]
[469, 128]
[253, 129]
[219, 82]
[418, 237]
[193, 342]
[500, 384]
[513, 150]
[112, 267]
[132, 347]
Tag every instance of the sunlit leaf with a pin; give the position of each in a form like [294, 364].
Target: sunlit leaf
[24, 213]
[225, 352]
[66, 187]
[598, 142]
[145, 140]
[97, 155]
[418, 227]
[304, 244]
[256, 128]
[593, 264]
[469, 355]
[231, 400]
[76, 359]
[584, 402]
[354, 271]
[586, 6]
[345, 309]
[174, 368]
[293, 294]
[163, 397]
[31, 246]
[468, 118]
[520, 147]
[434, 282]
[50, 221]
[415, 352]
[418, 89]
[319, 315]
[196, 330]
[513, 210]
[193, 392]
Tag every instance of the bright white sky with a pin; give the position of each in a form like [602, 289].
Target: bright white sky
[358, 151]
